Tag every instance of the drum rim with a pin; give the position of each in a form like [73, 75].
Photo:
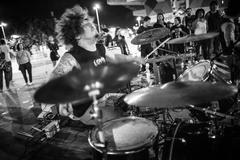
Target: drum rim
[187, 70]
[111, 151]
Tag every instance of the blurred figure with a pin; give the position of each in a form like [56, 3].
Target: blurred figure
[53, 46]
[7, 68]
[121, 42]
[24, 62]
[108, 41]
[199, 26]
[229, 45]
[213, 18]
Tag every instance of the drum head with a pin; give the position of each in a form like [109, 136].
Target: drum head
[126, 135]
[198, 72]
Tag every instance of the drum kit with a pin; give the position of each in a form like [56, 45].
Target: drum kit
[137, 138]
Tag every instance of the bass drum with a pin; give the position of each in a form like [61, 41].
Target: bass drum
[193, 142]
[128, 138]
[207, 71]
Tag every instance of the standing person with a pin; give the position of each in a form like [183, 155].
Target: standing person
[160, 24]
[145, 48]
[188, 19]
[178, 30]
[199, 26]
[213, 18]
[121, 42]
[7, 67]
[228, 39]
[53, 46]
[76, 28]
[24, 62]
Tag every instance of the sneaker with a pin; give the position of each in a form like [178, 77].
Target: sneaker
[30, 83]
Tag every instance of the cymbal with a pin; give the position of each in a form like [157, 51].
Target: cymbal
[160, 59]
[150, 36]
[193, 38]
[177, 94]
[73, 86]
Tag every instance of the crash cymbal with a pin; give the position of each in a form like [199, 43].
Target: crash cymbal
[179, 94]
[160, 59]
[193, 38]
[74, 85]
[150, 36]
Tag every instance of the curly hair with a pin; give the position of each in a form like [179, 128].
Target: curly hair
[70, 24]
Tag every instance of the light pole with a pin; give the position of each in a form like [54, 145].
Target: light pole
[96, 7]
[2, 27]
[139, 19]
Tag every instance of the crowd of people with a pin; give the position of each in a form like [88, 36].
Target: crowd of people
[215, 20]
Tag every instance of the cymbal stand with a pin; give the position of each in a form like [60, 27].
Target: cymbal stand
[93, 91]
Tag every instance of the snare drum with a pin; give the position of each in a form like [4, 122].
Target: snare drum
[126, 137]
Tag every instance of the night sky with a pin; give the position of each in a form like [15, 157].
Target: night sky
[17, 11]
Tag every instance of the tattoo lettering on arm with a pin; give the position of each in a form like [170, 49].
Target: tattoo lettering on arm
[65, 65]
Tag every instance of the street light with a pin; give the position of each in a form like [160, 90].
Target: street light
[139, 19]
[96, 8]
[2, 27]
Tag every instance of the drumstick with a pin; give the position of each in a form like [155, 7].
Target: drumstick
[157, 48]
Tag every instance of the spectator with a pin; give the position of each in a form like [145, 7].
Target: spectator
[178, 30]
[160, 21]
[199, 26]
[7, 67]
[121, 42]
[213, 18]
[24, 62]
[188, 19]
[53, 46]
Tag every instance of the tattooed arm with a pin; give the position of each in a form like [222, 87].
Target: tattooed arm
[65, 65]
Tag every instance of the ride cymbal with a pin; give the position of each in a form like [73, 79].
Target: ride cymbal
[193, 38]
[150, 36]
[178, 94]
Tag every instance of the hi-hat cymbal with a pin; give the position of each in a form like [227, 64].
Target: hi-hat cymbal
[193, 38]
[179, 94]
[73, 86]
[150, 36]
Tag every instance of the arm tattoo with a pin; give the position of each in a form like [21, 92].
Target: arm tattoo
[65, 65]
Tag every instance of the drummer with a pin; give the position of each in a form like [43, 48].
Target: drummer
[76, 29]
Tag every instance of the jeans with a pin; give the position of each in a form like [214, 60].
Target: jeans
[7, 75]
[26, 67]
